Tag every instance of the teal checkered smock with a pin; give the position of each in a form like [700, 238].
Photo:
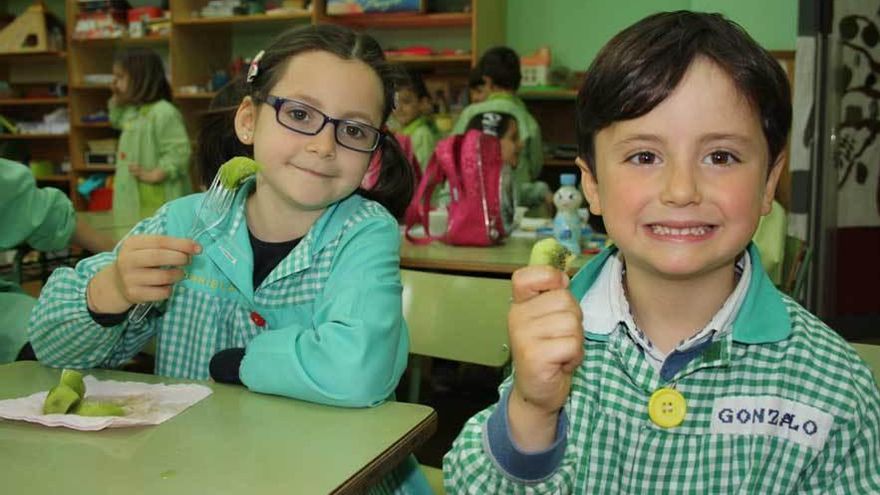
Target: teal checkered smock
[777, 404]
[333, 334]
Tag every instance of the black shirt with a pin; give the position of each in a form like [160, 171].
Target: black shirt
[267, 255]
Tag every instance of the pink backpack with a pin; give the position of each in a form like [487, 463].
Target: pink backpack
[481, 189]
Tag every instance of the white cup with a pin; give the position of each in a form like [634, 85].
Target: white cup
[437, 220]
[519, 215]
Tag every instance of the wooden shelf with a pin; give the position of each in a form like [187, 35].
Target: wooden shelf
[125, 40]
[239, 20]
[53, 178]
[96, 169]
[28, 137]
[90, 87]
[93, 125]
[558, 162]
[25, 102]
[204, 95]
[33, 56]
[401, 20]
[547, 94]
[430, 59]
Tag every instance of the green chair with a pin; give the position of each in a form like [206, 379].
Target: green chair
[795, 267]
[871, 355]
[455, 317]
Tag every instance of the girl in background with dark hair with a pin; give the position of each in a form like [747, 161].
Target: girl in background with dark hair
[297, 291]
[152, 159]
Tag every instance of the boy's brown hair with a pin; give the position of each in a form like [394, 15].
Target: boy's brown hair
[643, 64]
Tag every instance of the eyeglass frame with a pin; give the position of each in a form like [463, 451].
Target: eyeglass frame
[277, 102]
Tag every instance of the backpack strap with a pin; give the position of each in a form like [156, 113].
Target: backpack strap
[417, 212]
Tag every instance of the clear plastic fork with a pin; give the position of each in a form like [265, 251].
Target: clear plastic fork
[211, 212]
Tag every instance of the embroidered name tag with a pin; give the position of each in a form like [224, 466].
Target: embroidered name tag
[769, 415]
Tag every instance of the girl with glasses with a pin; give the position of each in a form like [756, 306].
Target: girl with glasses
[297, 292]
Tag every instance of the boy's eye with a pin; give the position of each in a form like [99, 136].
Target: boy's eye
[720, 158]
[643, 158]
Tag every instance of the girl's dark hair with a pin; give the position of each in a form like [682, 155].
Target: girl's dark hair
[643, 64]
[146, 74]
[415, 83]
[501, 64]
[217, 141]
[394, 185]
[493, 123]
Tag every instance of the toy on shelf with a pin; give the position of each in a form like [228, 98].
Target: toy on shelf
[535, 68]
[99, 20]
[346, 7]
[36, 30]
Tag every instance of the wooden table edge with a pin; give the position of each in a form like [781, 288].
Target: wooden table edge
[369, 475]
[461, 266]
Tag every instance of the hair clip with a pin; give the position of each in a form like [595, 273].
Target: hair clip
[490, 123]
[254, 68]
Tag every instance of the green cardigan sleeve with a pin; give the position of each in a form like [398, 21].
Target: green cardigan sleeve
[42, 218]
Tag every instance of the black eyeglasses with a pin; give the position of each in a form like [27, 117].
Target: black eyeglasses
[306, 119]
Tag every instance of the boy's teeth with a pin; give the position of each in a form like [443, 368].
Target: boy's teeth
[663, 230]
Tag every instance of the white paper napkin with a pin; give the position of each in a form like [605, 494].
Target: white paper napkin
[144, 404]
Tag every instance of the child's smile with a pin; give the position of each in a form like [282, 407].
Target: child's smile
[681, 188]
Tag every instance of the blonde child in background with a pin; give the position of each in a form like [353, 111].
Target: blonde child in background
[152, 160]
[297, 292]
[413, 121]
[500, 70]
[670, 363]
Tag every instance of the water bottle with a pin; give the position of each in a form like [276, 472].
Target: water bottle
[567, 223]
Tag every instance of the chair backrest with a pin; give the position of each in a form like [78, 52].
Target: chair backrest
[457, 317]
[871, 355]
[795, 267]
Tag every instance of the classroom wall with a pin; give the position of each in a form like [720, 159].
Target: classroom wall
[576, 29]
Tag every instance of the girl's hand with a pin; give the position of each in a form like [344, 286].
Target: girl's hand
[152, 176]
[146, 268]
[546, 341]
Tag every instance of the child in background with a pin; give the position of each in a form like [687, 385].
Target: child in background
[499, 69]
[504, 127]
[297, 292]
[152, 161]
[670, 363]
[412, 97]
[42, 218]
[476, 87]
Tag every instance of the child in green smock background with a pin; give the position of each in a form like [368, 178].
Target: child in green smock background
[409, 113]
[42, 218]
[152, 160]
[500, 70]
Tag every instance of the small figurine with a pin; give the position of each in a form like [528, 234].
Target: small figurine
[567, 223]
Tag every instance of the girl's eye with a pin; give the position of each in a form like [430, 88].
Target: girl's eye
[720, 158]
[643, 158]
[355, 131]
[299, 114]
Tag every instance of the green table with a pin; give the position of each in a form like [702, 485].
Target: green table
[234, 441]
[502, 259]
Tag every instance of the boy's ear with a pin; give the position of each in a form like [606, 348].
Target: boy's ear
[246, 120]
[489, 85]
[589, 186]
[772, 182]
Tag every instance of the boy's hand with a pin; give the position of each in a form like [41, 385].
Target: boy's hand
[546, 340]
[146, 268]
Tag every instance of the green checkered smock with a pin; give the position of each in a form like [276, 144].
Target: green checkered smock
[778, 404]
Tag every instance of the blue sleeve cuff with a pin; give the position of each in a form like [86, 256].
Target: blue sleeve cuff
[523, 466]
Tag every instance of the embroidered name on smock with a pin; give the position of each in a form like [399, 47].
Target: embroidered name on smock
[773, 416]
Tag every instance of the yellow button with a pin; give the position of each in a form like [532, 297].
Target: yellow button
[667, 408]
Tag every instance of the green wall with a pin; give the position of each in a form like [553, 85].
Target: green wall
[575, 30]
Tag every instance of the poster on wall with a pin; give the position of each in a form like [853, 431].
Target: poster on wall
[858, 146]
